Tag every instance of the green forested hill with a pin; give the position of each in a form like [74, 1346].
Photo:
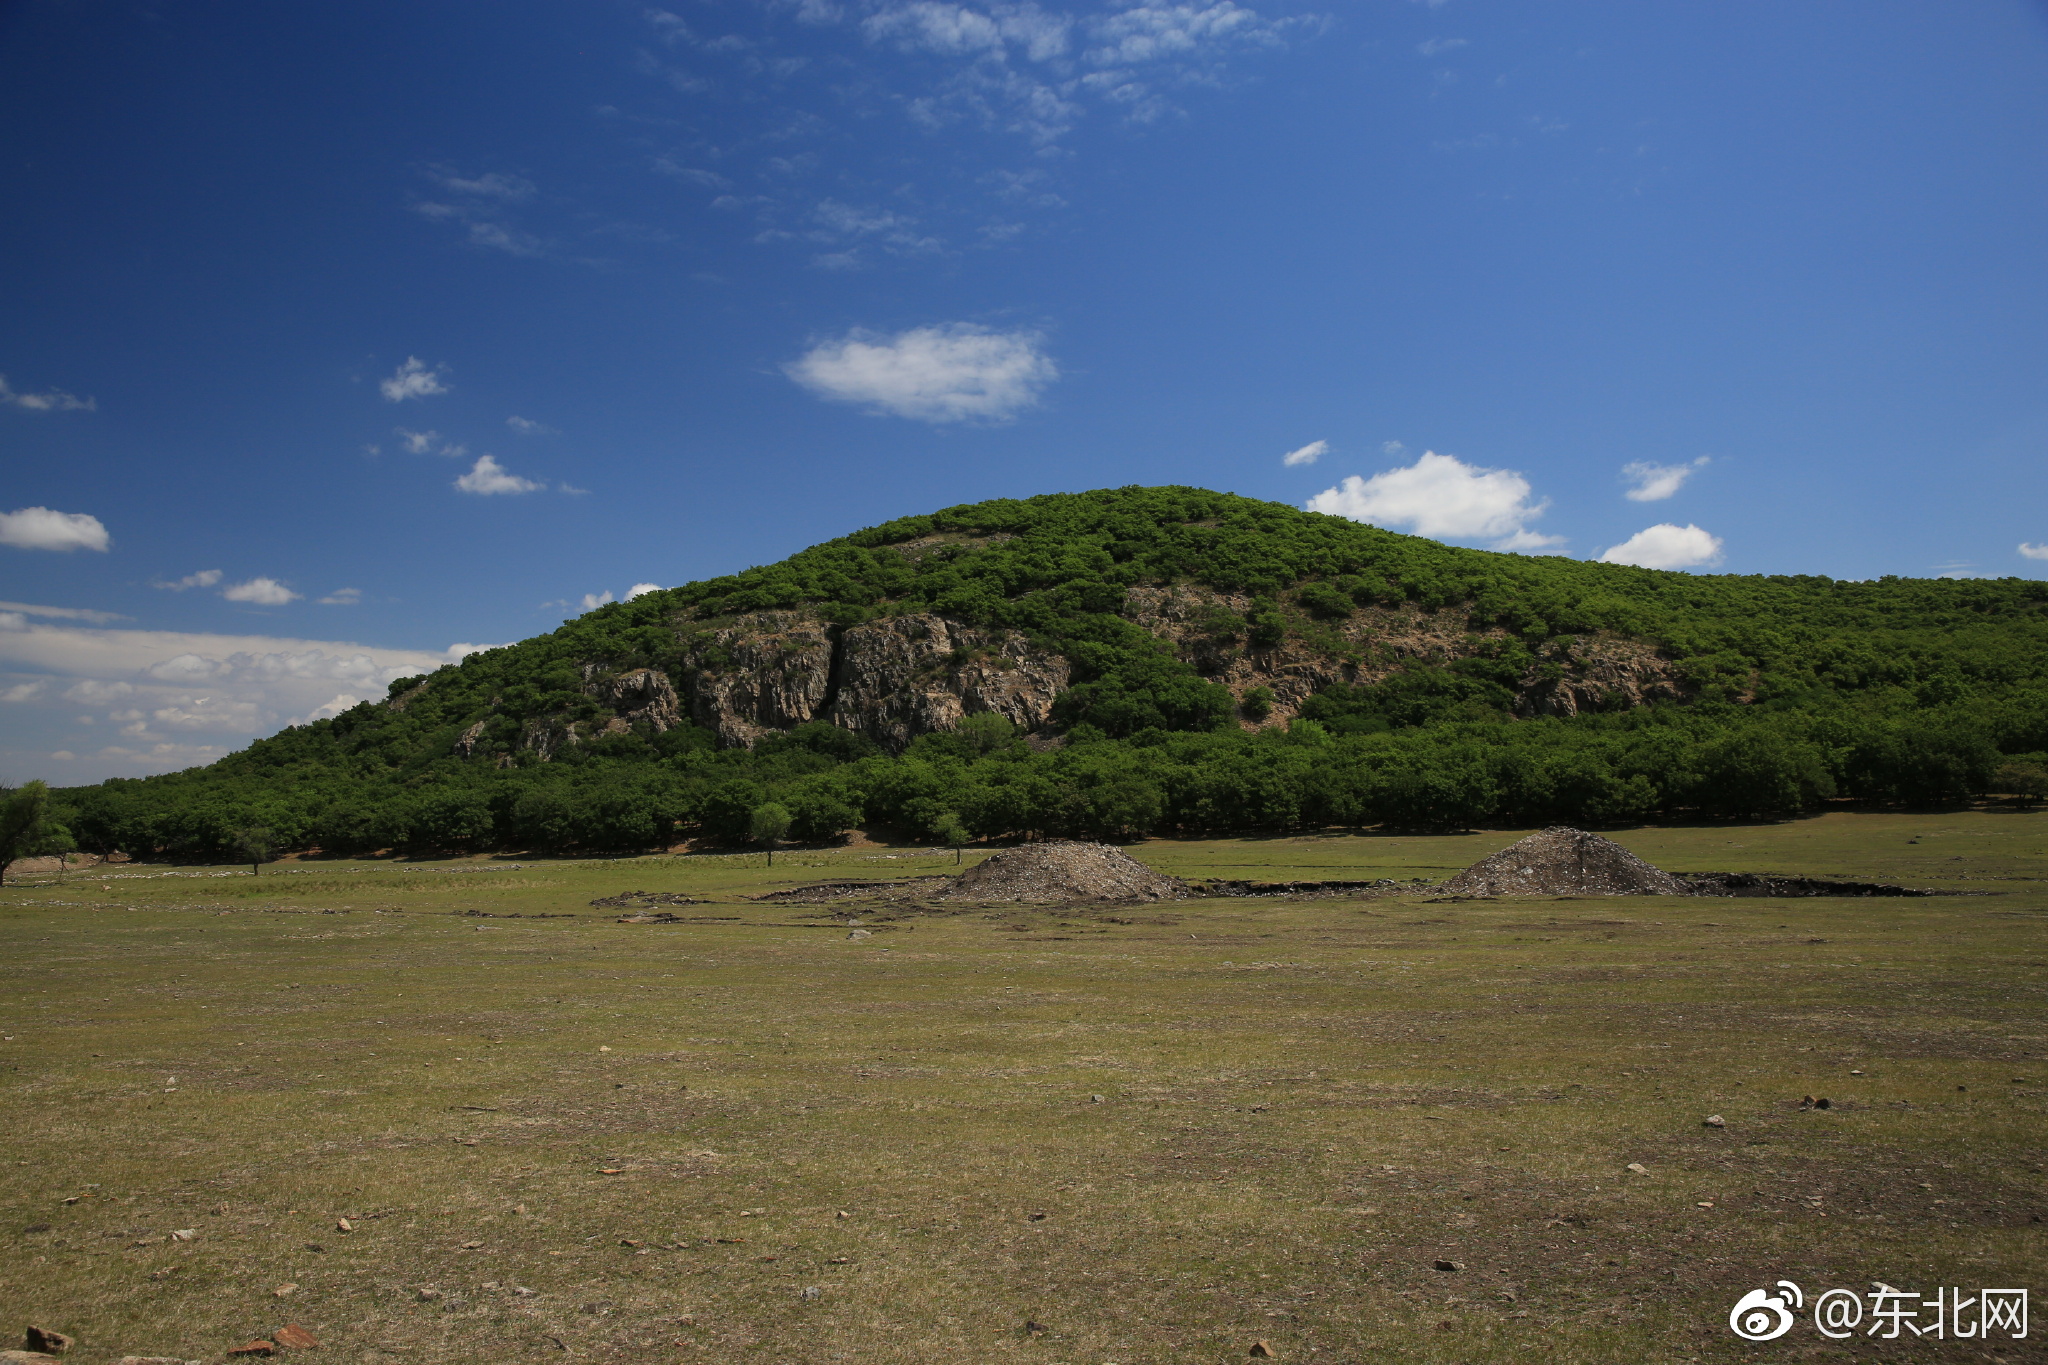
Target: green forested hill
[1215, 662]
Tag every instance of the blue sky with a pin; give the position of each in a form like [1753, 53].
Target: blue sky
[340, 336]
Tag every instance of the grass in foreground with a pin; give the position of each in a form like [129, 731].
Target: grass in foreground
[1158, 1135]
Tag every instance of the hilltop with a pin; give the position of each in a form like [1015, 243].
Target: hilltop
[1146, 659]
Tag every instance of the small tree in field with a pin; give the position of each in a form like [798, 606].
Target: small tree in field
[769, 825]
[953, 834]
[255, 846]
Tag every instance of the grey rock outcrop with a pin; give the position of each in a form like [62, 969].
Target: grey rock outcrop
[891, 679]
[638, 696]
[906, 676]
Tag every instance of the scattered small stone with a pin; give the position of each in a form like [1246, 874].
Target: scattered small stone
[810, 1291]
[1038, 1217]
[1095, 1099]
[1036, 1329]
[46, 1339]
[843, 1214]
[1713, 1121]
[840, 1260]
[151, 1360]
[1811, 1103]
[27, 1358]
[45, 1227]
[1450, 1265]
[859, 934]
[294, 1337]
[256, 1348]
[604, 1049]
[284, 1291]
[1637, 1168]
[429, 1295]
[1262, 1351]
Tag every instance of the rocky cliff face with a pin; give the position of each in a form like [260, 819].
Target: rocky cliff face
[899, 677]
[891, 680]
[1206, 626]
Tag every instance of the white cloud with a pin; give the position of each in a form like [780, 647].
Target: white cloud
[414, 379]
[96, 693]
[487, 477]
[2034, 551]
[416, 442]
[526, 426]
[1665, 546]
[56, 400]
[1308, 454]
[342, 597]
[952, 373]
[1429, 47]
[66, 613]
[262, 592]
[1443, 497]
[641, 590]
[28, 691]
[334, 706]
[492, 185]
[159, 688]
[39, 528]
[592, 600]
[1656, 482]
[205, 578]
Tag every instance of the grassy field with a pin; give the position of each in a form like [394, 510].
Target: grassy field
[1080, 1137]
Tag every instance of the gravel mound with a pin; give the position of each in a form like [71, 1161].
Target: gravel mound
[1064, 871]
[1562, 861]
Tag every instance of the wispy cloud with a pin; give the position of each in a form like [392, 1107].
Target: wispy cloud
[417, 442]
[958, 372]
[1026, 72]
[526, 426]
[1430, 47]
[487, 477]
[414, 379]
[1308, 454]
[39, 528]
[63, 613]
[1666, 546]
[1656, 482]
[641, 590]
[342, 597]
[262, 592]
[50, 400]
[2034, 551]
[1443, 497]
[205, 578]
[482, 204]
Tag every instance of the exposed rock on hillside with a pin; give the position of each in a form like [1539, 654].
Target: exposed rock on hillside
[1207, 627]
[1561, 861]
[639, 696]
[892, 679]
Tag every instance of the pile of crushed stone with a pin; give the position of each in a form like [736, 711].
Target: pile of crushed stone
[1064, 870]
[1562, 861]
